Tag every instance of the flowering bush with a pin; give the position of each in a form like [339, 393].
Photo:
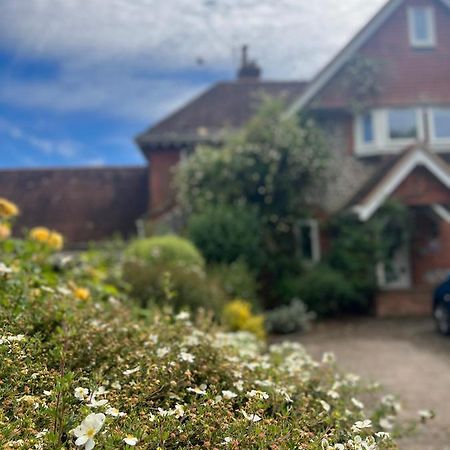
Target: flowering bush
[81, 368]
[238, 316]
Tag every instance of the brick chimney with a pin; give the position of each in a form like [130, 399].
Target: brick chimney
[249, 70]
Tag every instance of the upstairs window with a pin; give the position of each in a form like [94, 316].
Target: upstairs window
[402, 124]
[422, 30]
[440, 124]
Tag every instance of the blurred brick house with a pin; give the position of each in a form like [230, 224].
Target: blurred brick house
[389, 137]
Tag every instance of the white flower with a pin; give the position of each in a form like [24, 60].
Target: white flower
[325, 406]
[425, 414]
[196, 390]
[116, 385]
[130, 440]
[183, 315]
[328, 358]
[114, 412]
[251, 417]
[90, 426]
[178, 411]
[239, 385]
[188, 357]
[361, 425]
[357, 403]
[131, 371]
[5, 269]
[227, 440]
[163, 351]
[333, 394]
[387, 423]
[228, 395]
[382, 435]
[259, 394]
[81, 393]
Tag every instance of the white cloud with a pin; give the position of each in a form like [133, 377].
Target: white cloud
[120, 56]
[65, 148]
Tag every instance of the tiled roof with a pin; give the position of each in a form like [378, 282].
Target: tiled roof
[83, 204]
[225, 106]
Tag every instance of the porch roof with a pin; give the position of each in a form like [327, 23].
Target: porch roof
[389, 176]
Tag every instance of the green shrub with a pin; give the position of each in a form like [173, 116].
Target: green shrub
[169, 270]
[292, 318]
[236, 280]
[226, 233]
[170, 251]
[324, 291]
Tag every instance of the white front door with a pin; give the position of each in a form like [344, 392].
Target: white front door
[396, 274]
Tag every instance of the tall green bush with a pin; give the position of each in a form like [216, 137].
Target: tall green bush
[226, 233]
[273, 167]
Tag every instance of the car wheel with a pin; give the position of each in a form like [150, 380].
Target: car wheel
[442, 317]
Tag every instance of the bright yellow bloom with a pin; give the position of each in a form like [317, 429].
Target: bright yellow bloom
[7, 208]
[5, 231]
[52, 238]
[82, 293]
[238, 316]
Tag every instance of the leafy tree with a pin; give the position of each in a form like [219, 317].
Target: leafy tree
[272, 166]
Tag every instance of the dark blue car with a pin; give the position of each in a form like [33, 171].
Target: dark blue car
[441, 307]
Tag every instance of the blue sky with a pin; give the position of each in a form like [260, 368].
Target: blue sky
[78, 83]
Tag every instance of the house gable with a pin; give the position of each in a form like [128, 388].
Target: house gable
[407, 75]
[416, 169]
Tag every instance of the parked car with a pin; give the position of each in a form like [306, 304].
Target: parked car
[441, 307]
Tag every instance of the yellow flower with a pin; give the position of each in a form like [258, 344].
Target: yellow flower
[82, 293]
[5, 231]
[7, 208]
[52, 238]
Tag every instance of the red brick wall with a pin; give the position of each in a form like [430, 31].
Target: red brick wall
[408, 75]
[83, 204]
[422, 188]
[161, 168]
[414, 302]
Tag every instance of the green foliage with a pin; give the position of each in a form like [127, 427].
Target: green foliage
[357, 247]
[236, 280]
[169, 270]
[361, 82]
[170, 250]
[170, 381]
[292, 318]
[225, 233]
[324, 291]
[272, 168]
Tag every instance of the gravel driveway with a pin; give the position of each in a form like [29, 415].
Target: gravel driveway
[406, 356]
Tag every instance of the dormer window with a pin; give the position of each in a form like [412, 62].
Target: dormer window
[422, 27]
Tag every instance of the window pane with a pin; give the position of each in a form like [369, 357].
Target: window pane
[306, 241]
[367, 125]
[421, 24]
[441, 119]
[402, 124]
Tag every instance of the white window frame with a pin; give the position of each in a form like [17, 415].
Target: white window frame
[436, 142]
[403, 142]
[313, 224]
[382, 142]
[431, 20]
